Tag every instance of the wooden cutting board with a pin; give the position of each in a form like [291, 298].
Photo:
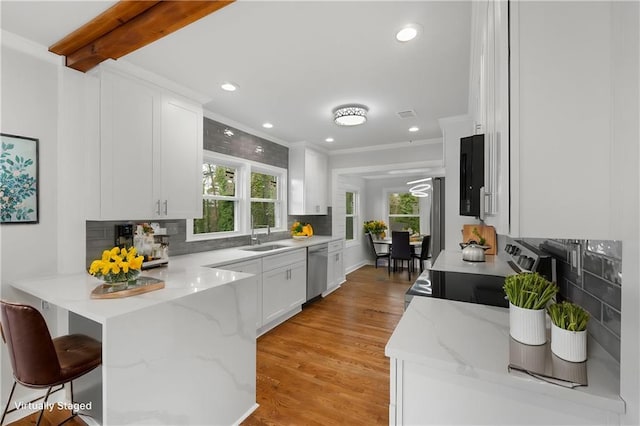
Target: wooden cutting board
[488, 232]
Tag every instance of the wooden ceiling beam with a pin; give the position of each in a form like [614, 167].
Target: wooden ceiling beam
[102, 24]
[133, 32]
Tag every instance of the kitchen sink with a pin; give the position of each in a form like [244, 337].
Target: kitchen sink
[268, 247]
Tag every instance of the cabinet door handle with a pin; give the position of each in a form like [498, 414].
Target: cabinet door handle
[158, 207]
[166, 207]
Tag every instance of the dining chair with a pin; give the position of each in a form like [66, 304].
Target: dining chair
[424, 251]
[375, 252]
[40, 362]
[401, 250]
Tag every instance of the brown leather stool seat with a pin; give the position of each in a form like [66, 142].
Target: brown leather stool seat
[39, 361]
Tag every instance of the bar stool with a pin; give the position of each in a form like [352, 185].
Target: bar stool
[40, 362]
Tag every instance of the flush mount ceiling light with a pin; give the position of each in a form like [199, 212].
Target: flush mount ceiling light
[414, 129]
[229, 87]
[350, 115]
[328, 140]
[267, 126]
[408, 32]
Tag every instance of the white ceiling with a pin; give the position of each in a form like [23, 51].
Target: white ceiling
[295, 61]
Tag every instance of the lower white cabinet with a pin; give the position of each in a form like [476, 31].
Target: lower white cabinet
[284, 284]
[251, 267]
[281, 283]
[335, 265]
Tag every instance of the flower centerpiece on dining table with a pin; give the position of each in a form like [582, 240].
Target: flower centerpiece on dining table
[117, 266]
[376, 227]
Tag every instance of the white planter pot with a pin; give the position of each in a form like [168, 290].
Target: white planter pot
[527, 325]
[569, 345]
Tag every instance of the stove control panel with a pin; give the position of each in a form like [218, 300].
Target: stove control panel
[524, 257]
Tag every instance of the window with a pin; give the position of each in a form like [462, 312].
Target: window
[219, 200]
[404, 212]
[265, 205]
[351, 216]
[238, 194]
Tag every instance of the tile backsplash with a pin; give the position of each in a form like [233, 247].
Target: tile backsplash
[101, 235]
[590, 274]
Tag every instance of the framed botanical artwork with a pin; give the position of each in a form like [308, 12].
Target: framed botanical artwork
[19, 184]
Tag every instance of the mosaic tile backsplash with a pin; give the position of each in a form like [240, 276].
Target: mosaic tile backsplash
[590, 274]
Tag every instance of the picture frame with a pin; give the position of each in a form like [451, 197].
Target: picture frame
[19, 180]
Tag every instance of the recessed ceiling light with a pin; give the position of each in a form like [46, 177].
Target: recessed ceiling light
[328, 140]
[267, 125]
[414, 128]
[229, 87]
[408, 32]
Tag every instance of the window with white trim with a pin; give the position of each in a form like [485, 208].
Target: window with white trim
[351, 215]
[238, 194]
[403, 212]
[219, 199]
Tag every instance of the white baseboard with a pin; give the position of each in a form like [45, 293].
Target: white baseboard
[357, 266]
[276, 322]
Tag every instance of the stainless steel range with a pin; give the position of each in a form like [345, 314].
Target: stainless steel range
[450, 277]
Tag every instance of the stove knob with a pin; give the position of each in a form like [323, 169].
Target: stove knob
[530, 262]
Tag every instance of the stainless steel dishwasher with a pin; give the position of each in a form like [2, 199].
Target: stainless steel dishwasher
[316, 270]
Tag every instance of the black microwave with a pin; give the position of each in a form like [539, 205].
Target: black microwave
[471, 174]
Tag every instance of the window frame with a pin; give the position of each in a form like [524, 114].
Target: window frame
[242, 219]
[356, 217]
[421, 206]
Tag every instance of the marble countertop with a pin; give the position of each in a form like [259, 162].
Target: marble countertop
[472, 340]
[451, 261]
[184, 275]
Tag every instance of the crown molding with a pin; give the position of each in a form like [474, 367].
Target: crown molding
[21, 44]
[388, 146]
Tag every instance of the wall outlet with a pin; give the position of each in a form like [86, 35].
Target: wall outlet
[44, 305]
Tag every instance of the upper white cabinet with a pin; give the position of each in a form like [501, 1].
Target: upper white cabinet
[150, 152]
[307, 182]
[571, 147]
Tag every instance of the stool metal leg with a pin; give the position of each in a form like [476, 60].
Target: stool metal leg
[43, 406]
[4, 414]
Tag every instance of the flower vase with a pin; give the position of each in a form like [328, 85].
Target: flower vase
[527, 326]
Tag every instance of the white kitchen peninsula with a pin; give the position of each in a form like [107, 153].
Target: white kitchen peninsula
[449, 364]
[185, 354]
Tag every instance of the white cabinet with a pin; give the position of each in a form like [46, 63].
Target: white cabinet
[284, 284]
[570, 147]
[181, 159]
[251, 267]
[335, 265]
[307, 182]
[150, 152]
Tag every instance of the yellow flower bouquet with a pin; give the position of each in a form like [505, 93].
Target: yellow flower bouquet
[117, 265]
[375, 226]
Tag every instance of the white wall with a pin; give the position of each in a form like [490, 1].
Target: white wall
[453, 129]
[44, 100]
[625, 193]
[355, 252]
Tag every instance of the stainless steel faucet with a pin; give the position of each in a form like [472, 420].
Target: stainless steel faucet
[254, 237]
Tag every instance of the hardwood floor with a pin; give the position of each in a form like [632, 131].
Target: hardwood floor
[50, 418]
[327, 365]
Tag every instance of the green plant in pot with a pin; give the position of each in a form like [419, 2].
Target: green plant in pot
[528, 295]
[569, 331]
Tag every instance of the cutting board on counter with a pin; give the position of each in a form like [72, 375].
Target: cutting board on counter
[488, 232]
